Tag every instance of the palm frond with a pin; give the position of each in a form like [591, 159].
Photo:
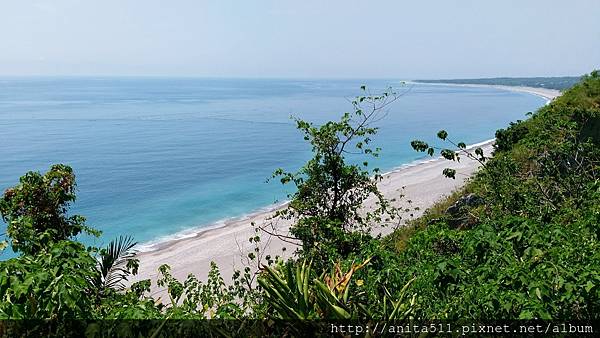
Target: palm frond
[113, 262]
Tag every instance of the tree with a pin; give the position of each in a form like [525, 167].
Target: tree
[327, 206]
[55, 276]
[36, 210]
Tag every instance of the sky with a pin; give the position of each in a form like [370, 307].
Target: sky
[300, 38]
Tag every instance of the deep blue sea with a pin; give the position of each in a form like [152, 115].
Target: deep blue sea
[156, 156]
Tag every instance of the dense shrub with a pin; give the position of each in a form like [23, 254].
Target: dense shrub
[534, 250]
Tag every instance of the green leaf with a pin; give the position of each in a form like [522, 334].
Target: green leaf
[342, 314]
[448, 154]
[442, 134]
[419, 145]
[526, 314]
[450, 173]
[516, 234]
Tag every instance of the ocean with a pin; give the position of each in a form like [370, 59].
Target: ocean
[155, 157]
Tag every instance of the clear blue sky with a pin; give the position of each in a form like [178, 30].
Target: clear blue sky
[300, 38]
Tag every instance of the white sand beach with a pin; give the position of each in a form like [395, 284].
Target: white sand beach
[546, 93]
[422, 183]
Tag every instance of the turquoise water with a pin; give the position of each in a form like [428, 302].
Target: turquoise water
[156, 156]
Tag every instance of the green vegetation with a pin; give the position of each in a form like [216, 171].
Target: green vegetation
[560, 83]
[328, 221]
[530, 248]
[520, 240]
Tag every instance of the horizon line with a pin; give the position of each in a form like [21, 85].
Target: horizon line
[274, 77]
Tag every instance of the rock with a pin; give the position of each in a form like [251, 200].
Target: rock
[457, 217]
[470, 200]
[434, 220]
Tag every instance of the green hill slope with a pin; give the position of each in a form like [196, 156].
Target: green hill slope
[530, 247]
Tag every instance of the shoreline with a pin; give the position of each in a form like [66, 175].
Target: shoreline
[420, 181]
[226, 242]
[163, 242]
[546, 93]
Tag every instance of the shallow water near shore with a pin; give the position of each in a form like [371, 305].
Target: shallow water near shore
[158, 156]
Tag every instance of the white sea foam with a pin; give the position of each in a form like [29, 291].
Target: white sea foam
[194, 231]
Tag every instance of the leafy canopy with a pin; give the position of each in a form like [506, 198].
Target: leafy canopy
[36, 210]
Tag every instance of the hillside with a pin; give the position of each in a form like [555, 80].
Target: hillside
[521, 239]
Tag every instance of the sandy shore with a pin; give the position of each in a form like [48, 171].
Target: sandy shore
[546, 93]
[228, 246]
[421, 183]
